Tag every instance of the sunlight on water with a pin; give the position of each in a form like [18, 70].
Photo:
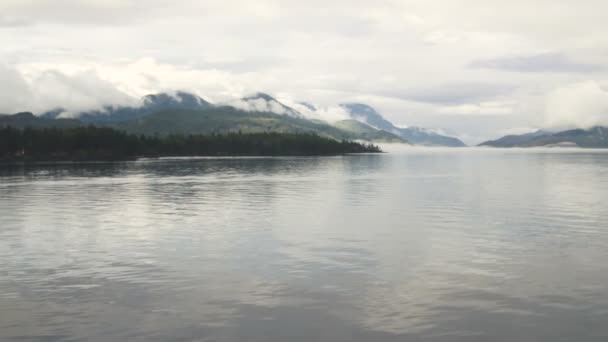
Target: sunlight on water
[420, 244]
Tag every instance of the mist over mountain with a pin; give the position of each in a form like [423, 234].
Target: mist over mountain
[184, 113]
[148, 104]
[372, 125]
[262, 102]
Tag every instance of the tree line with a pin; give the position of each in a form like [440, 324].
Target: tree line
[102, 143]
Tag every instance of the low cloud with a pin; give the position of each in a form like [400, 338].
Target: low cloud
[550, 62]
[326, 113]
[259, 105]
[578, 105]
[483, 108]
[12, 21]
[49, 89]
[15, 92]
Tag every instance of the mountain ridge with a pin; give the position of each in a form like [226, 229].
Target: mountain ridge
[259, 104]
[594, 137]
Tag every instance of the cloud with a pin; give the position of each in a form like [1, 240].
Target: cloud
[578, 105]
[332, 113]
[329, 113]
[15, 92]
[551, 62]
[79, 91]
[455, 93]
[81, 12]
[11, 21]
[260, 105]
[483, 108]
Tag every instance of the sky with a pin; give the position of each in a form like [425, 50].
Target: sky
[475, 69]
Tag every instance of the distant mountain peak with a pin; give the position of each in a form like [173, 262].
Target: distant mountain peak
[417, 135]
[368, 115]
[180, 99]
[260, 95]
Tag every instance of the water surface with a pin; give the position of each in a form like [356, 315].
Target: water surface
[420, 245]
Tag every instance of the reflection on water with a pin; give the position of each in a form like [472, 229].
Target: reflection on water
[427, 245]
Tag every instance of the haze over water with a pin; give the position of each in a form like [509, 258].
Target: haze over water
[421, 245]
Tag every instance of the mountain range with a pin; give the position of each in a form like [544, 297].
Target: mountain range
[187, 113]
[596, 137]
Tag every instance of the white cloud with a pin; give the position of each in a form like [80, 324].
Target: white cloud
[49, 89]
[15, 92]
[578, 105]
[483, 108]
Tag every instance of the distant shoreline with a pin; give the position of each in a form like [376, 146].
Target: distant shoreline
[173, 158]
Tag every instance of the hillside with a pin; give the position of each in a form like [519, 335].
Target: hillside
[225, 120]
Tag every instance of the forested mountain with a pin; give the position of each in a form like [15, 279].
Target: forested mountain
[229, 119]
[255, 112]
[596, 137]
[209, 120]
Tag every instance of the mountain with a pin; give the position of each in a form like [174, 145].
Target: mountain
[149, 104]
[366, 114]
[181, 100]
[227, 119]
[212, 120]
[416, 135]
[27, 119]
[367, 132]
[264, 103]
[515, 139]
[596, 137]
[186, 113]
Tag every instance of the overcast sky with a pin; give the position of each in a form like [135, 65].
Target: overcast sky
[476, 69]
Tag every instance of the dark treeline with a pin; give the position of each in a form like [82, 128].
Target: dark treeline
[98, 143]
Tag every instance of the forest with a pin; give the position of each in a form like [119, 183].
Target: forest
[105, 144]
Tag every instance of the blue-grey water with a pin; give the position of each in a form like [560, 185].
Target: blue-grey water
[419, 245]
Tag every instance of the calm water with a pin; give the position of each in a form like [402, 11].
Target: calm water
[421, 245]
